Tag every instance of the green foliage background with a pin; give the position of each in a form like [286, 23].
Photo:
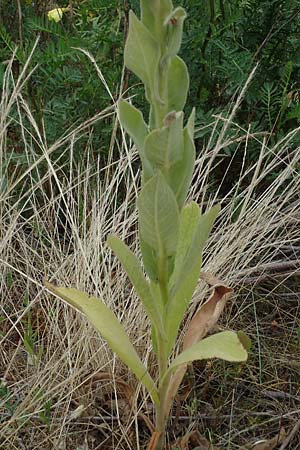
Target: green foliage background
[223, 40]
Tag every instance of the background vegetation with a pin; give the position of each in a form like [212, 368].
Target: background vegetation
[222, 43]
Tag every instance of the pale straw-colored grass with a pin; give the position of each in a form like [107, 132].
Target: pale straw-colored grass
[55, 227]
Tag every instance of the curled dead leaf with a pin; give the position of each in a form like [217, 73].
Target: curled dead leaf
[208, 314]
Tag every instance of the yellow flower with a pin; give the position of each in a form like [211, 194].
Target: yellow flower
[57, 13]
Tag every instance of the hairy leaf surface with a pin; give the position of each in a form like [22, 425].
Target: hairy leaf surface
[225, 345]
[142, 54]
[187, 271]
[178, 84]
[136, 276]
[107, 324]
[159, 216]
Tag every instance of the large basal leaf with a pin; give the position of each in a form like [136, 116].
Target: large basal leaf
[136, 276]
[164, 146]
[174, 24]
[178, 84]
[159, 216]
[225, 345]
[142, 54]
[107, 324]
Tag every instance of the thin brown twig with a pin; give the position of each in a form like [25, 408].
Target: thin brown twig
[266, 271]
[265, 277]
[275, 266]
[280, 395]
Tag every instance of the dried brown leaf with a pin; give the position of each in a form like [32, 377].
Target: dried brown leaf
[196, 440]
[208, 314]
[271, 444]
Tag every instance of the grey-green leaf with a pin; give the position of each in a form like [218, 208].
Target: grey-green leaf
[137, 278]
[133, 122]
[199, 239]
[189, 219]
[107, 324]
[164, 146]
[178, 84]
[142, 54]
[159, 216]
[181, 173]
[191, 124]
[149, 259]
[174, 24]
[150, 15]
[188, 262]
[225, 345]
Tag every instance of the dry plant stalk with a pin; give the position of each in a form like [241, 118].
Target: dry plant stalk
[172, 233]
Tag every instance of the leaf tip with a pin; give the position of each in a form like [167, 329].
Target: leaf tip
[244, 340]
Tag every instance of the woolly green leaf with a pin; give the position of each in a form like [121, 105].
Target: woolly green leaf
[193, 249]
[225, 345]
[142, 54]
[163, 147]
[191, 124]
[149, 259]
[244, 340]
[156, 293]
[136, 276]
[199, 239]
[159, 216]
[193, 234]
[133, 122]
[178, 84]
[150, 15]
[189, 219]
[174, 23]
[107, 324]
[180, 175]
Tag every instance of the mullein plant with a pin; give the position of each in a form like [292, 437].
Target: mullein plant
[172, 233]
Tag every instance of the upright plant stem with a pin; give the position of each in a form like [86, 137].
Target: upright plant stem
[162, 362]
[161, 418]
